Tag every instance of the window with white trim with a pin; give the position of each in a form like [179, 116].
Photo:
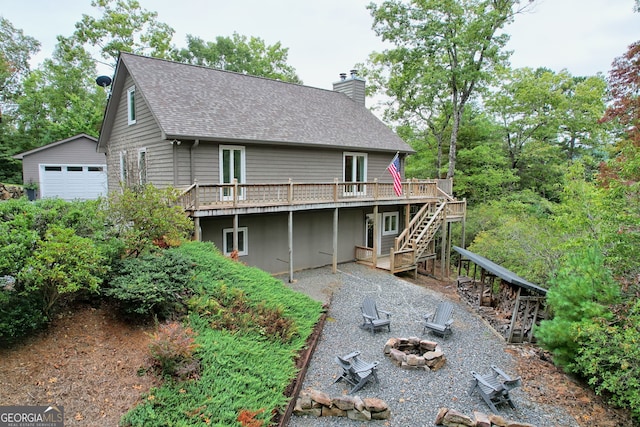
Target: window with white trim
[390, 223]
[123, 166]
[131, 105]
[232, 166]
[142, 166]
[243, 241]
[354, 166]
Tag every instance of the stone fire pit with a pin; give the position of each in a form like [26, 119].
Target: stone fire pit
[414, 353]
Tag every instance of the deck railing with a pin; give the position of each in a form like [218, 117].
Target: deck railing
[213, 196]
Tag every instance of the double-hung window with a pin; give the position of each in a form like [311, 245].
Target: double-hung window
[355, 170]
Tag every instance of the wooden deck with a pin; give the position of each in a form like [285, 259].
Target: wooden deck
[218, 198]
[384, 263]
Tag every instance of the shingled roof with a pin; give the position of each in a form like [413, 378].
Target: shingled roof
[194, 102]
[498, 270]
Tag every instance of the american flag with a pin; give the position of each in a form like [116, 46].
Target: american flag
[394, 170]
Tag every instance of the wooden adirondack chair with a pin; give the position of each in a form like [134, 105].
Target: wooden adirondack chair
[494, 387]
[355, 371]
[441, 320]
[371, 318]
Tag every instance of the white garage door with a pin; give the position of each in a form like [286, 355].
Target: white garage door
[73, 182]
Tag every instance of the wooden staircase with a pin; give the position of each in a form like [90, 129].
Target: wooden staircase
[415, 243]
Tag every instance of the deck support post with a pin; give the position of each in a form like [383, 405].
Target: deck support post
[290, 239]
[443, 246]
[235, 232]
[374, 256]
[514, 315]
[334, 263]
[196, 229]
[448, 264]
[464, 222]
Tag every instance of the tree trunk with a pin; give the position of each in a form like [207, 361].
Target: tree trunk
[439, 160]
[457, 114]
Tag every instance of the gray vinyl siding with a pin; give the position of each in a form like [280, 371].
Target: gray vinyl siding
[312, 238]
[387, 242]
[145, 133]
[273, 164]
[82, 151]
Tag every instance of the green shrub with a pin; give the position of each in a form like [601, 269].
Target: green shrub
[609, 356]
[17, 237]
[148, 217]
[581, 293]
[20, 314]
[62, 263]
[152, 284]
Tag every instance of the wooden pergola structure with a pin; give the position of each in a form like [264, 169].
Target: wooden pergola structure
[522, 300]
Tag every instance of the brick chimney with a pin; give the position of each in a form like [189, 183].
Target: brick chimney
[352, 86]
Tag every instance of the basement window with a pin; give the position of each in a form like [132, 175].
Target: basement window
[390, 223]
[227, 241]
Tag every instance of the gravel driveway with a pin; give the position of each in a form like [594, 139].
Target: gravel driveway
[413, 396]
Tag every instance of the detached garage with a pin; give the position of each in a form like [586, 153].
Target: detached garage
[70, 169]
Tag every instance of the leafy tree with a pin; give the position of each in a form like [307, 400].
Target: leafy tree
[15, 51]
[124, 26]
[422, 163]
[146, 217]
[547, 120]
[525, 107]
[240, 54]
[580, 215]
[624, 83]
[621, 175]
[442, 51]
[483, 170]
[583, 104]
[60, 99]
[542, 169]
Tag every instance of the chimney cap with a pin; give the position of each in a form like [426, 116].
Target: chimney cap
[343, 76]
[354, 73]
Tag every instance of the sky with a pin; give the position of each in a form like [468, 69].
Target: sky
[328, 37]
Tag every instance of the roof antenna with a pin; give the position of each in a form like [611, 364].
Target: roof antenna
[104, 81]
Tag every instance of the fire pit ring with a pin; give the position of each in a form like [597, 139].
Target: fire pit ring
[415, 353]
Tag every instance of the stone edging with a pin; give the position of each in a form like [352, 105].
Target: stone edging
[319, 404]
[452, 418]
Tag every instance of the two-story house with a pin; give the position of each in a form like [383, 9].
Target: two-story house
[282, 175]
